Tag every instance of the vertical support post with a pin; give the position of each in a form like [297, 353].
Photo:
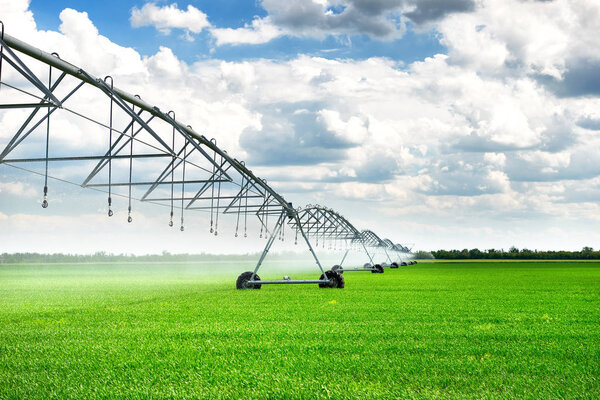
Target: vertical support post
[366, 251]
[344, 258]
[387, 255]
[309, 246]
[399, 255]
[278, 225]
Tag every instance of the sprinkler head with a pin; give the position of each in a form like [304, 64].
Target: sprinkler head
[170, 223]
[129, 219]
[211, 230]
[216, 233]
[245, 235]
[181, 229]
[110, 212]
[45, 203]
[236, 235]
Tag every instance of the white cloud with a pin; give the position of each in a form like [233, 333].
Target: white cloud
[169, 17]
[261, 30]
[529, 36]
[353, 130]
[17, 189]
[381, 20]
[495, 159]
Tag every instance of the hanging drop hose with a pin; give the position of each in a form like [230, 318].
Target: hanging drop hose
[218, 198]
[266, 213]
[183, 182]
[212, 186]
[45, 201]
[110, 212]
[129, 219]
[245, 210]
[172, 169]
[237, 224]
[262, 220]
[297, 227]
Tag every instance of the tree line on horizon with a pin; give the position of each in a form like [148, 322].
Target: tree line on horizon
[586, 253]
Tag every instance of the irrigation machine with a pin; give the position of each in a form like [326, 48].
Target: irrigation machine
[147, 155]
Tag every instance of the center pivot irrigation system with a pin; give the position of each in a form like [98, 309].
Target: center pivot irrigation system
[135, 151]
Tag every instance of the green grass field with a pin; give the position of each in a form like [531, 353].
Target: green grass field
[439, 330]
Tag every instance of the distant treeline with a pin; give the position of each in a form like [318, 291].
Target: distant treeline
[587, 253]
[33, 258]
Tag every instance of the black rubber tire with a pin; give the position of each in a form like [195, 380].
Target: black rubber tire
[403, 263]
[377, 269]
[338, 269]
[336, 280]
[242, 281]
[415, 261]
[411, 262]
[394, 265]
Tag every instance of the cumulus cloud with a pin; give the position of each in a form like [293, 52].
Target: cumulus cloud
[17, 189]
[322, 18]
[169, 17]
[261, 30]
[381, 20]
[549, 41]
[422, 11]
[590, 123]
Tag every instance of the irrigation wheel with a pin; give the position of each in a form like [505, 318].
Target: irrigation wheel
[336, 280]
[394, 265]
[244, 278]
[338, 269]
[403, 264]
[377, 269]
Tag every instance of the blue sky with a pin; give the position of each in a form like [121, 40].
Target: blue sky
[112, 20]
[443, 123]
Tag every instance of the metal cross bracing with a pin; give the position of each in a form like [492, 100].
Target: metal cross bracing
[326, 226]
[131, 149]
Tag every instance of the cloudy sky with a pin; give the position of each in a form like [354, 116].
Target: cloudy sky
[438, 123]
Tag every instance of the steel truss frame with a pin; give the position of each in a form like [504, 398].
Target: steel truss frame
[326, 225]
[220, 184]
